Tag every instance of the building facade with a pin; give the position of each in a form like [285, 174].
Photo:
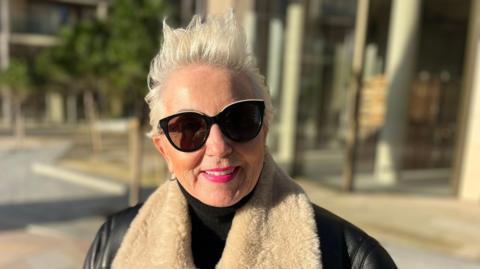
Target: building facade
[418, 111]
[27, 27]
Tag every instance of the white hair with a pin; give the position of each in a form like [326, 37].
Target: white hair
[218, 41]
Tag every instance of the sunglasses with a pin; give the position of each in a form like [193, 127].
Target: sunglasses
[240, 122]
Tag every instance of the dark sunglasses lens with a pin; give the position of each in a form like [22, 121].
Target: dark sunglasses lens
[187, 131]
[242, 122]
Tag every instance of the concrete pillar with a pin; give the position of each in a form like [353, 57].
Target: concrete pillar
[291, 85]
[102, 9]
[466, 171]
[470, 177]
[4, 33]
[275, 42]
[341, 75]
[5, 59]
[371, 60]
[245, 12]
[274, 65]
[55, 107]
[219, 7]
[401, 50]
[250, 26]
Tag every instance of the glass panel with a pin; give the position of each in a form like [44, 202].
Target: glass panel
[326, 65]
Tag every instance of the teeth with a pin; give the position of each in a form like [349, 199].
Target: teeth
[220, 173]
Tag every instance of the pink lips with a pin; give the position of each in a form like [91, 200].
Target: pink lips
[221, 174]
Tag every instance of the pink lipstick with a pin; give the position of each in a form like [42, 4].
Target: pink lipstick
[221, 174]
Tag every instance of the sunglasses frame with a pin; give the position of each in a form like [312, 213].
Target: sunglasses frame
[163, 123]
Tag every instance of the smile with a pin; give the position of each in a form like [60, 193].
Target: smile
[221, 175]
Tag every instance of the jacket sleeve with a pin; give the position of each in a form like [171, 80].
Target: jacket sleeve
[376, 257]
[97, 256]
[366, 252]
[109, 238]
[343, 245]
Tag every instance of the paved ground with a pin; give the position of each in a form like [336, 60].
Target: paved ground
[419, 231]
[49, 223]
[45, 222]
[410, 257]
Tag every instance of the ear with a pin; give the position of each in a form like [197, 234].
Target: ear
[159, 142]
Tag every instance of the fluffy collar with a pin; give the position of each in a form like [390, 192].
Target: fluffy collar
[275, 229]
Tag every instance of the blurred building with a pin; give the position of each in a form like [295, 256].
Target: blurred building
[419, 109]
[28, 26]
[419, 113]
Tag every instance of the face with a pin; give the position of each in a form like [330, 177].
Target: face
[223, 171]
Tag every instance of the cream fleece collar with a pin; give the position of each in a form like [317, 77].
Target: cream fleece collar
[275, 229]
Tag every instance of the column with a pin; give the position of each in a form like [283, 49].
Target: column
[275, 42]
[217, 7]
[4, 60]
[102, 9]
[291, 85]
[341, 75]
[401, 49]
[250, 26]
[54, 104]
[245, 12]
[466, 171]
[371, 60]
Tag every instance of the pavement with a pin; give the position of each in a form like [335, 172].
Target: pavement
[418, 231]
[48, 221]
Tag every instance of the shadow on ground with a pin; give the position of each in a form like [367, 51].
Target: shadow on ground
[20, 215]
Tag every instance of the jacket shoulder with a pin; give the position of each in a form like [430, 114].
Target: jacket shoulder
[109, 238]
[343, 245]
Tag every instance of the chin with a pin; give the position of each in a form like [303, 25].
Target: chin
[220, 200]
[219, 195]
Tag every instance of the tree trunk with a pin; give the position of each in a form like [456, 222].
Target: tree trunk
[136, 159]
[136, 139]
[90, 114]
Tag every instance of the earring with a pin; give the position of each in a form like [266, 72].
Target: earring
[172, 177]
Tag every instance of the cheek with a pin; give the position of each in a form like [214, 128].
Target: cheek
[186, 164]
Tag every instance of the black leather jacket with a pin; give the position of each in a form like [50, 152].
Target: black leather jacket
[342, 244]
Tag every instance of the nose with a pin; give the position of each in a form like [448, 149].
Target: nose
[217, 144]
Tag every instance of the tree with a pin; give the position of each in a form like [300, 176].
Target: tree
[18, 77]
[135, 35]
[79, 64]
[111, 57]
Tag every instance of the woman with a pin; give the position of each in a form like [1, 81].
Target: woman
[228, 204]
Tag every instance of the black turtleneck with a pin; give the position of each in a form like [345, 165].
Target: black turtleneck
[210, 226]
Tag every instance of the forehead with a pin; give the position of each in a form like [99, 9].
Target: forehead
[205, 89]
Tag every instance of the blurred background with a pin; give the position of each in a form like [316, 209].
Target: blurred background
[377, 116]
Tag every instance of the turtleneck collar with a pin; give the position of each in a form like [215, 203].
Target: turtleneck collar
[217, 219]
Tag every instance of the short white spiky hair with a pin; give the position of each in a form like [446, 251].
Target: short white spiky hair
[218, 41]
